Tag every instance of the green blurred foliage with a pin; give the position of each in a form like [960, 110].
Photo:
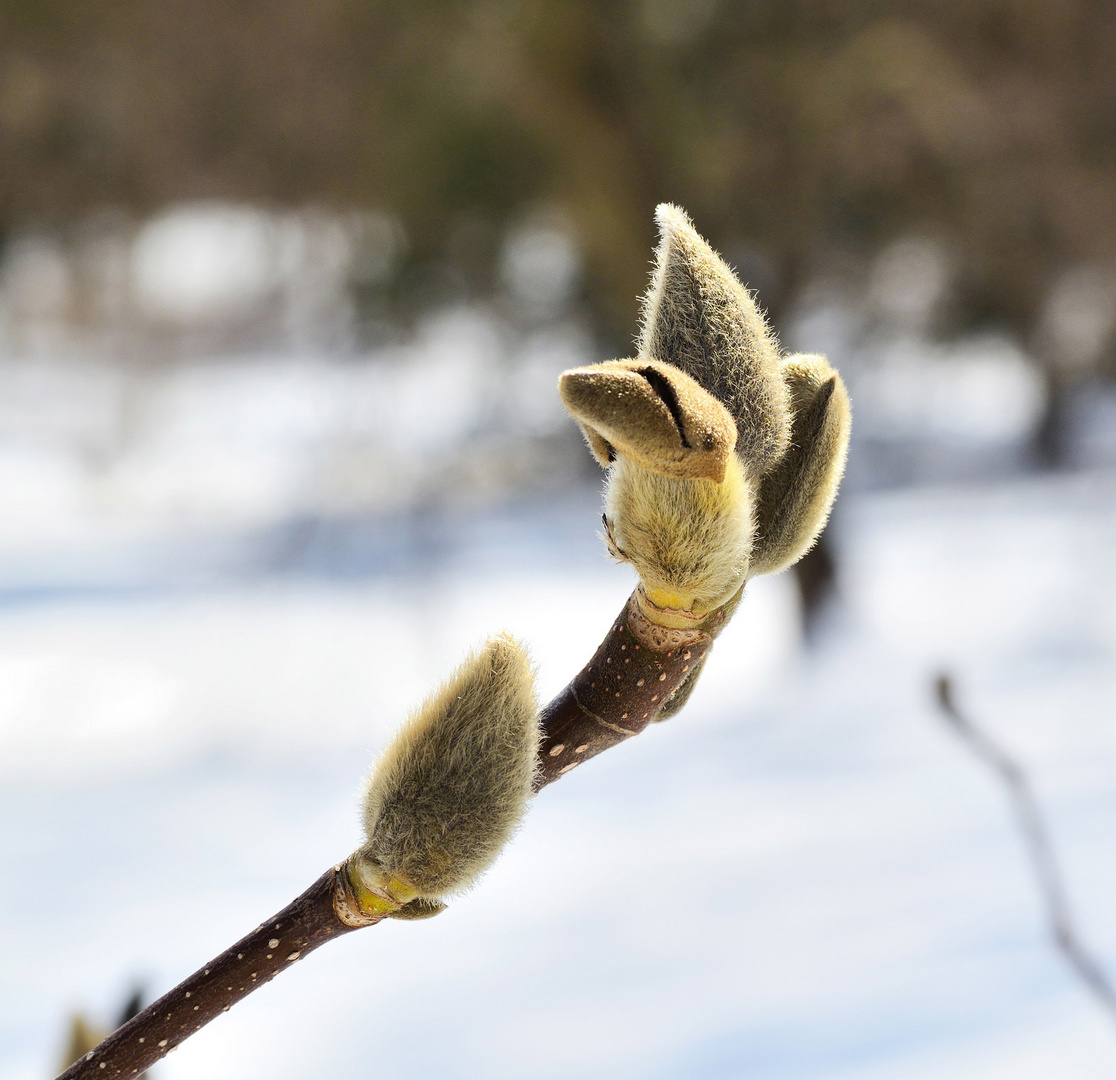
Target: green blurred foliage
[789, 128]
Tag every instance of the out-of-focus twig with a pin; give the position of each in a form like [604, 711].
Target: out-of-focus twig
[1029, 818]
[83, 1035]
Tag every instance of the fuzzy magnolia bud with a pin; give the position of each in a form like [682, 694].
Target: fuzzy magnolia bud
[723, 457]
[688, 540]
[698, 317]
[453, 785]
[795, 497]
[651, 413]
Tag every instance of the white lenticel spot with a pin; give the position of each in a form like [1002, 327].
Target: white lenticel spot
[293, 956]
[582, 748]
[189, 994]
[556, 750]
[163, 1042]
[566, 768]
[240, 956]
[273, 943]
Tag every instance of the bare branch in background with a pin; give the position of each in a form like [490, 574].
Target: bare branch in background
[1028, 816]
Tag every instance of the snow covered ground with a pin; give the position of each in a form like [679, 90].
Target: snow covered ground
[225, 580]
[803, 876]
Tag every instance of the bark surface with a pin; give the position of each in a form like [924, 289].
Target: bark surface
[636, 672]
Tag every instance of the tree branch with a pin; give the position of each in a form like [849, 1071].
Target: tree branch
[724, 459]
[627, 683]
[1036, 838]
[638, 673]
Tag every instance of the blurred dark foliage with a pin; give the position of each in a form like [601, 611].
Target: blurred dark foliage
[815, 574]
[789, 128]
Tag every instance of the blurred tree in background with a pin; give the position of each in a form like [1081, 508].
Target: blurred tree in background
[791, 129]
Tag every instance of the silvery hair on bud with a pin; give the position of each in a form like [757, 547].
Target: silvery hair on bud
[689, 538]
[699, 317]
[795, 497]
[453, 785]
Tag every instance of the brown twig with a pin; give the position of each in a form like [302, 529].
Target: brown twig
[302, 926]
[641, 671]
[1048, 876]
[639, 667]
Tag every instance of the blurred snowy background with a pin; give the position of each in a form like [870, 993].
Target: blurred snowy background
[268, 467]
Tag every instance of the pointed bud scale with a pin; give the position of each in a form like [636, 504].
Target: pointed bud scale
[652, 413]
[795, 497]
[453, 785]
[419, 908]
[698, 316]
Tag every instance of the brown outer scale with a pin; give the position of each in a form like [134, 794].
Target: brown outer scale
[626, 684]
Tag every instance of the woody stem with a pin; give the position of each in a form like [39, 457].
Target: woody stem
[626, 684]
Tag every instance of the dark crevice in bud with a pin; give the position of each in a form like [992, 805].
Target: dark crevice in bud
[666, 393]
[824, 394]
